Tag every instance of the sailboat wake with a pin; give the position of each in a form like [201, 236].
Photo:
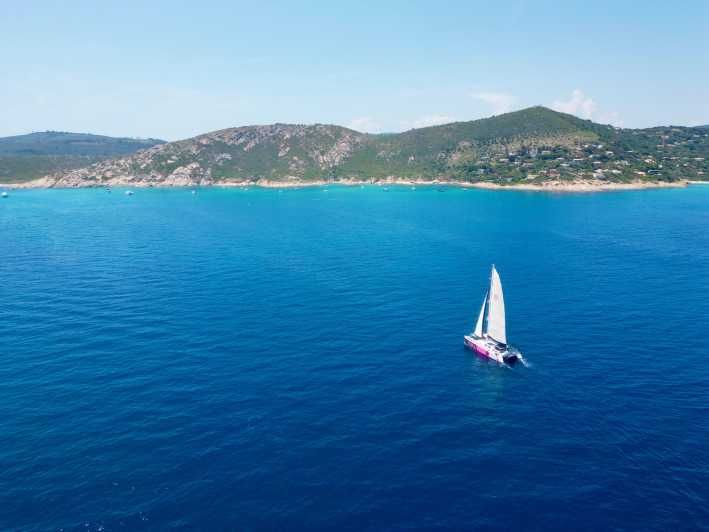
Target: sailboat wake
[523, 361]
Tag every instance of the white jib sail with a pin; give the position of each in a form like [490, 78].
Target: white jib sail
[479, 325]
[496, 310]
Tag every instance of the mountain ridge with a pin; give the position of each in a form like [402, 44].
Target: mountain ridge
[532, 145]
[32, 155]
[68, 143]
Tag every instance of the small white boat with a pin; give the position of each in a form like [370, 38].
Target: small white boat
[129, 192]
[4, 194]
[489, 339]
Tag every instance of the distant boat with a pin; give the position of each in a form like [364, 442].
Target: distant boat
[4, 194]
[489, 339]
[129, 192]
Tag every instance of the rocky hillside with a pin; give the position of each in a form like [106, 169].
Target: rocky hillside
[532, 145]
[25, 157]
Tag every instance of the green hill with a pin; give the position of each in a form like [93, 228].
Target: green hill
[25, 157]
[452, 150]
[532, 145]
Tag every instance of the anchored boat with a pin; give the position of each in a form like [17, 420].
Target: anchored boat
[489, 339]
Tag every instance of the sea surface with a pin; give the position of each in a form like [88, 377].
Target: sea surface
[251, 359]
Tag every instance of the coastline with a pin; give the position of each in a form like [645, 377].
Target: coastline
[549, 186]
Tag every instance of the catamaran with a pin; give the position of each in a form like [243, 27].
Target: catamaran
[489, 339]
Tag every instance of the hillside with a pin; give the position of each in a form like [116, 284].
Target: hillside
[25, 157]
[533, 145]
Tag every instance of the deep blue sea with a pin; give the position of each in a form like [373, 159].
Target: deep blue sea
[293, 359]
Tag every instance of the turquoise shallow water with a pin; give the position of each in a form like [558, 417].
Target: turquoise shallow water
[265, 359]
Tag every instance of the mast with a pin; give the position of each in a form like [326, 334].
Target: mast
[496, 310]
[479, 325]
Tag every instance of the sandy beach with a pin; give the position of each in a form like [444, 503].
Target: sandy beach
[549, 186]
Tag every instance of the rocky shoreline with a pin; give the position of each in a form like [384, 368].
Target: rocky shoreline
[548, 186]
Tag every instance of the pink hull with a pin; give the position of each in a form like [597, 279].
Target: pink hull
[478, 349]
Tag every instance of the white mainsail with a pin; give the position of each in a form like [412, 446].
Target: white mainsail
[496, 310]
[479, 325]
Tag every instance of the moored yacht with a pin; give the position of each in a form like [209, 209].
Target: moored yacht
[489, 339]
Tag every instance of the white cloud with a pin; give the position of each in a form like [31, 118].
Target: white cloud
[426, 121]
[611, 117]
[585, 107]
[501, 102]
[365, 124]
[579, 104]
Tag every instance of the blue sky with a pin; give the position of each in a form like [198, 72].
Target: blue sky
[176, 69]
